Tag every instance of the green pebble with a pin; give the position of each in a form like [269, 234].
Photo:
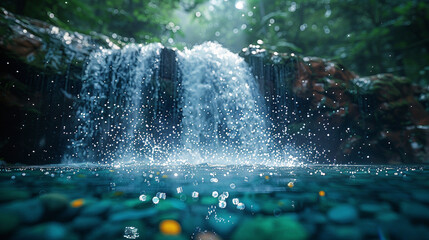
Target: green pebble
[274, 228]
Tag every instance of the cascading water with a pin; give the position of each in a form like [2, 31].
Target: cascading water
[221, 106]
[222, 117]
[113, 103]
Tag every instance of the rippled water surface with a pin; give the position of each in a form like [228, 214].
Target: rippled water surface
[215, 202]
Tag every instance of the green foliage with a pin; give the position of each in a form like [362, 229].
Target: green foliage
[367, 36]
[125, 20]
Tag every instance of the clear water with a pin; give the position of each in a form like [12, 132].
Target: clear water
[227, 202]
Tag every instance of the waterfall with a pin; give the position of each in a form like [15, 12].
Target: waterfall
[125, 109]
[221, 106]
[113, 104]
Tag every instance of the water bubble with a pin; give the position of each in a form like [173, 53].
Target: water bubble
[214, 180]
[232, 186]
[241, 206]
[155, 200]
[131, 233]
[179, 190]
[235, 201]
[143, 198]
[215, 194]
[195, 194]
[13, 177]
[161, 195]
[222, 204]
[225, 194]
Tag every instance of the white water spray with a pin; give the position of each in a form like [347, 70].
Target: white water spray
[222, 107]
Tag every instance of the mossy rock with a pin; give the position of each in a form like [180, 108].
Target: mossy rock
[273, 228]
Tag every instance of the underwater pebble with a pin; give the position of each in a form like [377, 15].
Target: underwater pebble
[9, 222]
[415, 211]
[85, 223]
[273, 228]
[29, 211]
[97, 208]
[133, 214]
[54, 202]
[344, 214]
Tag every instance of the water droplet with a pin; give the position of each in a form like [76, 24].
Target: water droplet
[214, 180]
[131, 233]
[215, 194]
[155, 200]
[161, 195]
[232, 186]
[143, 198]
[235, 201]
[222, 204]
[179, 190]
[195, 194]
[241, 206]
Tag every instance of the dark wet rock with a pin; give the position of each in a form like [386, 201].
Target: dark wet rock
[8, 222]
[369, 228]
[379, 118]
[133, 214]
[85, 224]
[106, 231]
[7, 195]
[415, 211]
[403, 229]
[274, 228]
[421, 196]
[343, 214]
[54, 202]
[29, 211]
[341, 233]
[387, 216]
[96, 209]
[314, 217]
[370, 209]
[45, 231]
[67, 214]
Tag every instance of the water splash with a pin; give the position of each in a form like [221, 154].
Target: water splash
[222, 108]
[111, 107]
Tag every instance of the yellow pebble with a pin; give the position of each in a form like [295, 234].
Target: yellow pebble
[290, 184]
[77, 203]
[322, 193]
[170, 227]
[267, 177]
[164, 176]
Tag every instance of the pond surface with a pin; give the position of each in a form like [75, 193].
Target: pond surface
[214, 202]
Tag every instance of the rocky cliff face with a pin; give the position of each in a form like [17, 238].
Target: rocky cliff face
[312, 101]
[376, 119]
